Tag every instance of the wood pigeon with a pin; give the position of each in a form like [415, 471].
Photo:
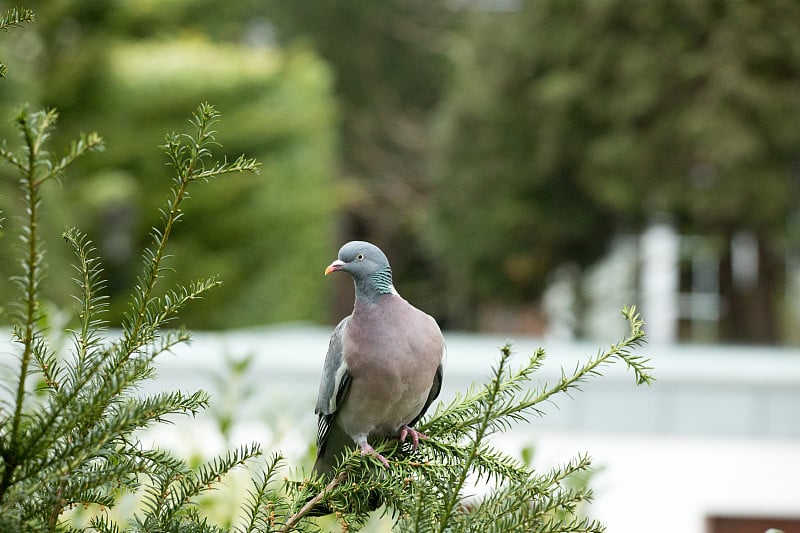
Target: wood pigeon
[384, 364]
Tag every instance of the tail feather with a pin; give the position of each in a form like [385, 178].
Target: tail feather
[330, 454]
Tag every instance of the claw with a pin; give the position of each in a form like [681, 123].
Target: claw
[415, 436]
[366, 449]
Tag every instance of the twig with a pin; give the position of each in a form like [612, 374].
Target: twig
[304, 510]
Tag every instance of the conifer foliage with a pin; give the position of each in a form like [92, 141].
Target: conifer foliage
[13, 18]
[68, 427]
[69, 419]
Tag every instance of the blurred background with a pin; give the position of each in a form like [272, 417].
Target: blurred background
[528, 166]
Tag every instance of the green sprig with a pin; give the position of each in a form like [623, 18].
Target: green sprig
[76, 444]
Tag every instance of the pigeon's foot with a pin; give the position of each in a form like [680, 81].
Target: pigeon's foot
[416, 436]
[366, 449]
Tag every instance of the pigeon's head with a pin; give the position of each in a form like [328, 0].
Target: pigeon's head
[360, 259]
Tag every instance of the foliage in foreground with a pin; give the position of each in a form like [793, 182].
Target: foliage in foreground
[69, 421]
[68, 430]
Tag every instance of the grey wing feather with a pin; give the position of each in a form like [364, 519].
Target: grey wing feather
[436, 388]
[333, 386]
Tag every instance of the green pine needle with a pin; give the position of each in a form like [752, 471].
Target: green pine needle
[76, 444]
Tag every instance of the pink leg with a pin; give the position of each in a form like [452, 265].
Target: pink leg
[366, 449]
[415, 436]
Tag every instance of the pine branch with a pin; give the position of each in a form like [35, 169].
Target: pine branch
[294, 520]
[12, 159]
[16, 17]
[99, 439]
[90, 142]
[76, 445]
[25, 326]
[493, 390]
[13, 18]
[168, 497]
[263, 505]
[35, 167]
[92, 305]
[466, 412]
[187, 154]
[531, 502]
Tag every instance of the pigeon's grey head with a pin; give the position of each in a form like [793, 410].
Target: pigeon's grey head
[368, 266]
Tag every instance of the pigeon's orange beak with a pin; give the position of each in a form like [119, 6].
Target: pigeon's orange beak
[333, 267]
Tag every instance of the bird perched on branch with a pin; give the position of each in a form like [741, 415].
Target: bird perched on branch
[384, 364]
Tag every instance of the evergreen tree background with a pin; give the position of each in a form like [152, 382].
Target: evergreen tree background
[574, 121]
[389, 120]
[95, 63]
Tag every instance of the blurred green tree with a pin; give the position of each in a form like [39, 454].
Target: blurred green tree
[134, 70]
[391, 70]
[567, 121]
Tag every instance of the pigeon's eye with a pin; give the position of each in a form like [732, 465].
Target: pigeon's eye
[360, 257]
